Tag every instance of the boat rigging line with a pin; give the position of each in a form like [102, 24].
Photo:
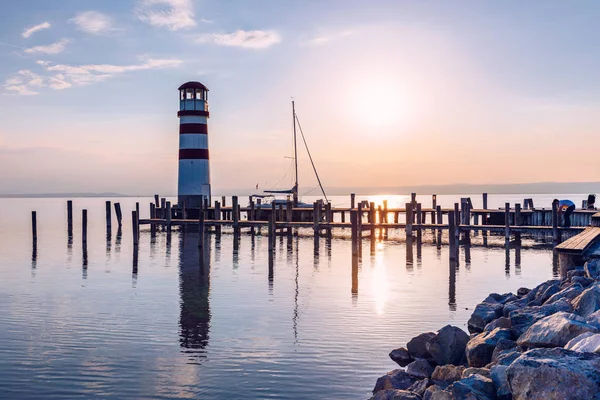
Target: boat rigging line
[310, 157]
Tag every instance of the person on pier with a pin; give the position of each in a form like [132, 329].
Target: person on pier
[565, 207]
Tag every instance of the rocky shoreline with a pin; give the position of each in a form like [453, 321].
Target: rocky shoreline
[538, 344]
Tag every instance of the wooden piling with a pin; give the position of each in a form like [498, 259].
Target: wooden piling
[555, 232]
[384, 217]
[456, 220]
[156, 201]
[452, 242]
[134, 227]
[440, 216]
[119, 215]
[507, 221]
[316, 217]
[413, 203]
[152, 216]
[108, 218]
[409, 219]
[419, 222]
[217, 216]
[84, 226]
[168, 212]
[433, 208]
[70, 218]
[359, 219]
[163, 207]
[354, 234]
[518, 219]
[235, 216]
[352, 200]
[34, 226]
[485, 201]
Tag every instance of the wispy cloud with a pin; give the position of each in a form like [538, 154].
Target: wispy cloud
[93, 22]
[64, 76]
[31, 30]
[248, 39]
[326, 38]
[170, 14]
[54, 48]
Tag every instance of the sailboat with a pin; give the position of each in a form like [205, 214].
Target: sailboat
[269, 196]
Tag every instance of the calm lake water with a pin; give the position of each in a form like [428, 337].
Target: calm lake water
[310, 326]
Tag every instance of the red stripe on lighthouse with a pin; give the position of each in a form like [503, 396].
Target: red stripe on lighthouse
[193, 128]
[192, 112]
[193, 154]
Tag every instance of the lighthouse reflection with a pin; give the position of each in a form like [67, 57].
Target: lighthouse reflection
[194, 290]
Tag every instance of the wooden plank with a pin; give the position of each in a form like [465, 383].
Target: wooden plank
[580, 242]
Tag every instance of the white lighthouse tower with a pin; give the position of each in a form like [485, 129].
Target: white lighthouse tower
[194, 171]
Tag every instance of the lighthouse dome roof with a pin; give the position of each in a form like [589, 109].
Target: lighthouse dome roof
[192, 85]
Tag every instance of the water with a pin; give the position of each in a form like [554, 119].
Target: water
[311, 326]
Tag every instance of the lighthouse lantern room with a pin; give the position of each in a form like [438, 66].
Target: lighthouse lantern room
[194, 170]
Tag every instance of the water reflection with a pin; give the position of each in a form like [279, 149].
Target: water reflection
[194, 290]
[453, 268]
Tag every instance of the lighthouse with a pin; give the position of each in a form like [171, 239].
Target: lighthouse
[194, 170]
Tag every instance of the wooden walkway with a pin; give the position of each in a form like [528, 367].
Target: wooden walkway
[580, 243]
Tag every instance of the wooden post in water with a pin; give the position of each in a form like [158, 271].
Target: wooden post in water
[352, 200]
[316, 217]
[34, 227]
[452, 242]
[120, 215]
[235, 216]
[108, 219]
[433, 207]
[354, 223]
[413, 203]
[223, 203]
[134, 227]
[555, 232]
[372, 219]
[272, 231]
[289, 215]
[152, 216]
[168, 212]
[359, 217]
[163, 208]
[84, 226]
[456, 220]
[70, 218]
[385, 212]
[409, 219]
[419, 222]
[217, 217]
[507, 221]
[518, 220]
[485, 201]
[156, 201]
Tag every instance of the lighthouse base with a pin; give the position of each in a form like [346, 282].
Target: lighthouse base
[192, 201]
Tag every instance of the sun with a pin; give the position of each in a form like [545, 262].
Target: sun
[382, 105]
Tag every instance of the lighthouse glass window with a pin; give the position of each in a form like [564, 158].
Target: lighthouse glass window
[199, 94]
[189, 95]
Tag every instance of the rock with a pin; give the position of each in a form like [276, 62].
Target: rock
[582, 280]
[587, 302]
[417, 347]
[523, 291]
[445, 394]
[522, 319]
[396, 379]
[430, 390]
[570, 292]
[513, 306]
[420, 386]
[575, 272]
[501, 347]
[546, 294]
[479, 350]
[479, 371]
[475, 387]
[594, 319]
[420, 368]
[506, 357]
[554, 374]
[498, 376]
[502, 322]
[537, 291]
[401, 357]
[586, 342]
[592, 268]
[555, 331]
[395, 394]
[448, 345]
[446, 374]
[484, 313]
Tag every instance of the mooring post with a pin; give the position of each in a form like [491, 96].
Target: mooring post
[440, 215]
[419, 223]
[555, 232]
[234, 214]
[108, 218]
[409, 219]
[70, 218]
[385, 212]
[413, 203]
[156, 201]
[359, 219]
[201, 232]
[352, 200]
[507, 221]
[120, 215]
[168, 215]
[354, 234]
[84, 226]
[316, 218]
[433, 207]
[372, 219]
[163, 207]
[456, 220]
[152, 216]
[453, 252]
[34, 226]
[217, 217]
[134, 227]
[271, 232]
[518, 219]
[485, 201]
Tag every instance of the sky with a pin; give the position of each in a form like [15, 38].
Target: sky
[388, 93]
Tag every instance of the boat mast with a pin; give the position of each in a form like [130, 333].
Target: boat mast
[295, 194]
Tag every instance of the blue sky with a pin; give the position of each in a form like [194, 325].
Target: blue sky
[418, 91]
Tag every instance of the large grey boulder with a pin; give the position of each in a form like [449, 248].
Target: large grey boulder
[587, 302]
[592, 268]
[483, 314]
[430, 391]
[555, 374]
[582, 280]
[396, 379]
[401, 357]
[448, 345]
[420, 368]
[522, 319]
[594, 319]
[417, 346]
[472, 371]
[502, 322]
[421, 386]
[570, 292]
[578, 271]
[475, 387]
[445, 394]
[479, 350]
[498, 376]
[523, 291]
[395, 394]
[446, 374]
[586, 342]
[544, 295]
[506, 357]
[502, 346]
[537, 291]
[555, 331]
